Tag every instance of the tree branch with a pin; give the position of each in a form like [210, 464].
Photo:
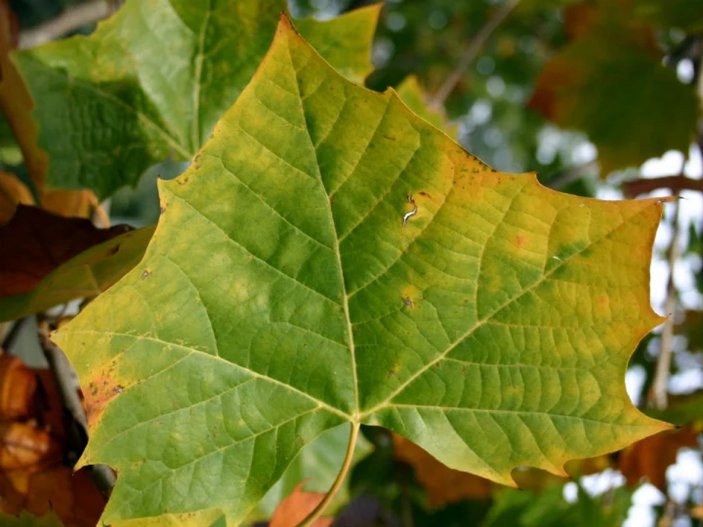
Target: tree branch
[470, 54]
[659, 393]
[675, 183]
[69, 20]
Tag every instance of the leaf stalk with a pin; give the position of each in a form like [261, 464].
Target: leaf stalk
[339, 480]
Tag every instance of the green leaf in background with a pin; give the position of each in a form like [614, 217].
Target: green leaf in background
[682, 14]
[412, 94]
[83, 276]
[331, 258]
[151, 82]
[344, 41]
[515, 508]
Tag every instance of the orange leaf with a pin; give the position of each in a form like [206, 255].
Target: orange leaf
[73, 497]
[33, 477]
[649, 458]
[79, 203]
[17, 386]
[292, 510]
[25, 446]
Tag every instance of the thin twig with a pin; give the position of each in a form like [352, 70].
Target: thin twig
[470, 54]
[341, 476]
[659, 393]
[70, 20]
[9, 338]
[572, 174]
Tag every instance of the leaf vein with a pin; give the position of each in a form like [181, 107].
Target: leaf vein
[249, 371]
[497, 310]
[256, 257]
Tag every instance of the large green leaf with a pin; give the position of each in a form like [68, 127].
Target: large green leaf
[283, 294]
[152, 81]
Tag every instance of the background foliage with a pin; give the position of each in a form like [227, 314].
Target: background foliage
[584, 93]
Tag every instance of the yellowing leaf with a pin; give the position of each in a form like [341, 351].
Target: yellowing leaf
[345, 41]
[415, 97]
[28, 520]
[331, 258]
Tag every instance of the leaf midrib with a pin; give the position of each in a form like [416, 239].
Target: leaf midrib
[355, 417]
[359, 415]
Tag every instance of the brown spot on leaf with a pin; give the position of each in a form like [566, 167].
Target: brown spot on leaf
[101, 390]
[113, 250]
[410, 296]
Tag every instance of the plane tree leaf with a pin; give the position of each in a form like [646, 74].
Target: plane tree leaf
[26, 519]
[16, 106]
[151, 82]
[344, 41]
[329, 258]
[412, 94]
